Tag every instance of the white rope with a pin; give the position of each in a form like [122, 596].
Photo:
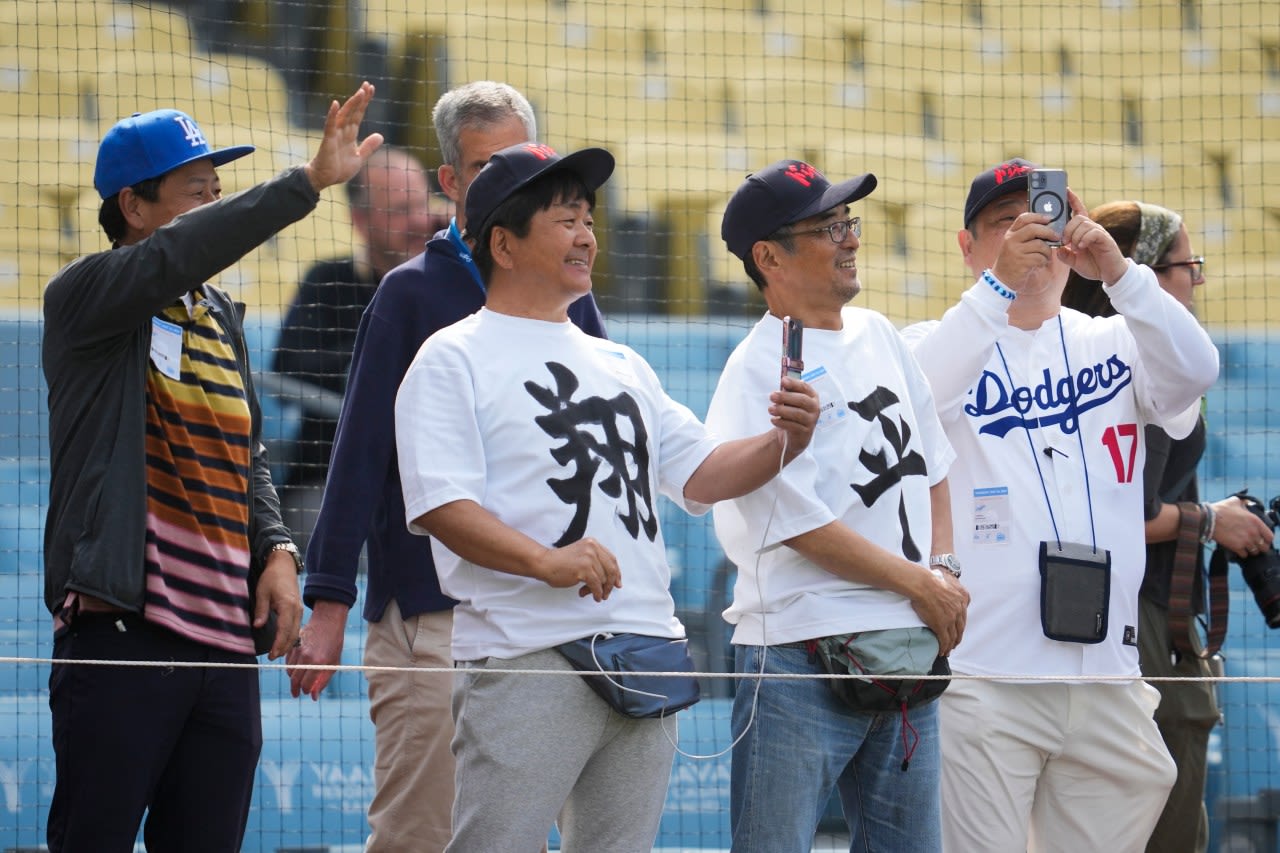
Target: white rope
[754, 676]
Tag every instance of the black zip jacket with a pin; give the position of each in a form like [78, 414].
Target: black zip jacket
[97, 342]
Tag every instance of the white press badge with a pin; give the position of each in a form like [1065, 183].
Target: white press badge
[166, 347]
[991, 516]
[830, 411]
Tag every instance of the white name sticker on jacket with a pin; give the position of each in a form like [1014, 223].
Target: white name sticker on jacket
[166, 348]
[990, 516]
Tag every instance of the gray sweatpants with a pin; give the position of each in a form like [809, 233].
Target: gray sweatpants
[531, 748]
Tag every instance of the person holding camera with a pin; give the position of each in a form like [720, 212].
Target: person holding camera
[1055, 747]
[1178, 525]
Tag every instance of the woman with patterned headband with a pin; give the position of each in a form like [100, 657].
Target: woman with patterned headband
[1172, 588]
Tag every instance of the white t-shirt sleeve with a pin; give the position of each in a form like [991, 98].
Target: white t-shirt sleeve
[788, 505]
[438, 438]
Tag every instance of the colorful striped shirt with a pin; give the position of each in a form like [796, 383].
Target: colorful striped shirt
[198, 469]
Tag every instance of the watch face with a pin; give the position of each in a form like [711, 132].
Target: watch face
[947, 561]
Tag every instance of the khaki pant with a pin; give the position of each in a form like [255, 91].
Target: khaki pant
[1050, 768]
[1187, 713]
[413, 724]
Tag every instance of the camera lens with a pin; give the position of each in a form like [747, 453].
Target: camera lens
[1262, 572]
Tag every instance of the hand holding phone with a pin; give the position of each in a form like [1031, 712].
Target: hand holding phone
[1047, 195]
[792, 347]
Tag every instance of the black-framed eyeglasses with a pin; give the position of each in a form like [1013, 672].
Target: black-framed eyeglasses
[837, 231]
[1196, 265]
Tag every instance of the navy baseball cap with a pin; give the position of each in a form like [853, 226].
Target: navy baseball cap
[1008, 177]
[780, 194]
[514, 168]
[148, 145]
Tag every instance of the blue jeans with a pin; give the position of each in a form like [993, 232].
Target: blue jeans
[804, 743]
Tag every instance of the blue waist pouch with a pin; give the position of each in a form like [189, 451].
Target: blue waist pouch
[616, 666]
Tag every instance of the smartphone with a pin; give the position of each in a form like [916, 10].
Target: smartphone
[792, 347]
[1047, 194]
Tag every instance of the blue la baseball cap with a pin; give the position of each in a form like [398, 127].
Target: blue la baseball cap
[148, 145]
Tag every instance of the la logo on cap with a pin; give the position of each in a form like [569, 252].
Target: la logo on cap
[190, 132]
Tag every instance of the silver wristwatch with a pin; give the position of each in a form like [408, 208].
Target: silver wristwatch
[290, 549]
[949, 562]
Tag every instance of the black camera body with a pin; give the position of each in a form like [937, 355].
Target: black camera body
[1262, 571]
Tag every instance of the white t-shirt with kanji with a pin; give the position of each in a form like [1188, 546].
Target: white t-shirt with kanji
[561, 436]
[877, 450]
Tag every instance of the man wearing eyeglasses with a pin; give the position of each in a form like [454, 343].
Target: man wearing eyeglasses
[841, 541]
[1053, 747]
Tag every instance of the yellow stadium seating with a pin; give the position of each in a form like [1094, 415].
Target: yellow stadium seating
[614, 103]
[679, 165]
[224, 89]
[33, 86]
[520, 52]
[1084, 16]
[1192, 108]
[86, 32]
[1254, 170]
[390, 19]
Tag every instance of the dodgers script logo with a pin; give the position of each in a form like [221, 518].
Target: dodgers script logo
[1053, 402]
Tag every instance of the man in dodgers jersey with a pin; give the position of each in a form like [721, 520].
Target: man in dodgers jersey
[1046, 408]
[532, 454]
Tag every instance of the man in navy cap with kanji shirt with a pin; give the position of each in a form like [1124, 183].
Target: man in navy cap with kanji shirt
[844, 540]
[533, 454]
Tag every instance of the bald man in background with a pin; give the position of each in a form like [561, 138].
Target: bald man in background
[393, 215]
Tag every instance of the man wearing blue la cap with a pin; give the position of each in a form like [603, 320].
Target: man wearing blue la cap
[532, 454]
[160, 499]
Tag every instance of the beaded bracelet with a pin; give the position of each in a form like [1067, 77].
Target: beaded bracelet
[1208, 520]
[997, 286]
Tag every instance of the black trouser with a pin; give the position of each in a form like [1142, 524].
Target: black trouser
[180, 743]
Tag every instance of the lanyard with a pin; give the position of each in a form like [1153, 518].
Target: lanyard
[1044, 488]
[464, 252]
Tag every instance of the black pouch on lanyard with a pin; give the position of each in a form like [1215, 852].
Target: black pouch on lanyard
[1075, 591]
